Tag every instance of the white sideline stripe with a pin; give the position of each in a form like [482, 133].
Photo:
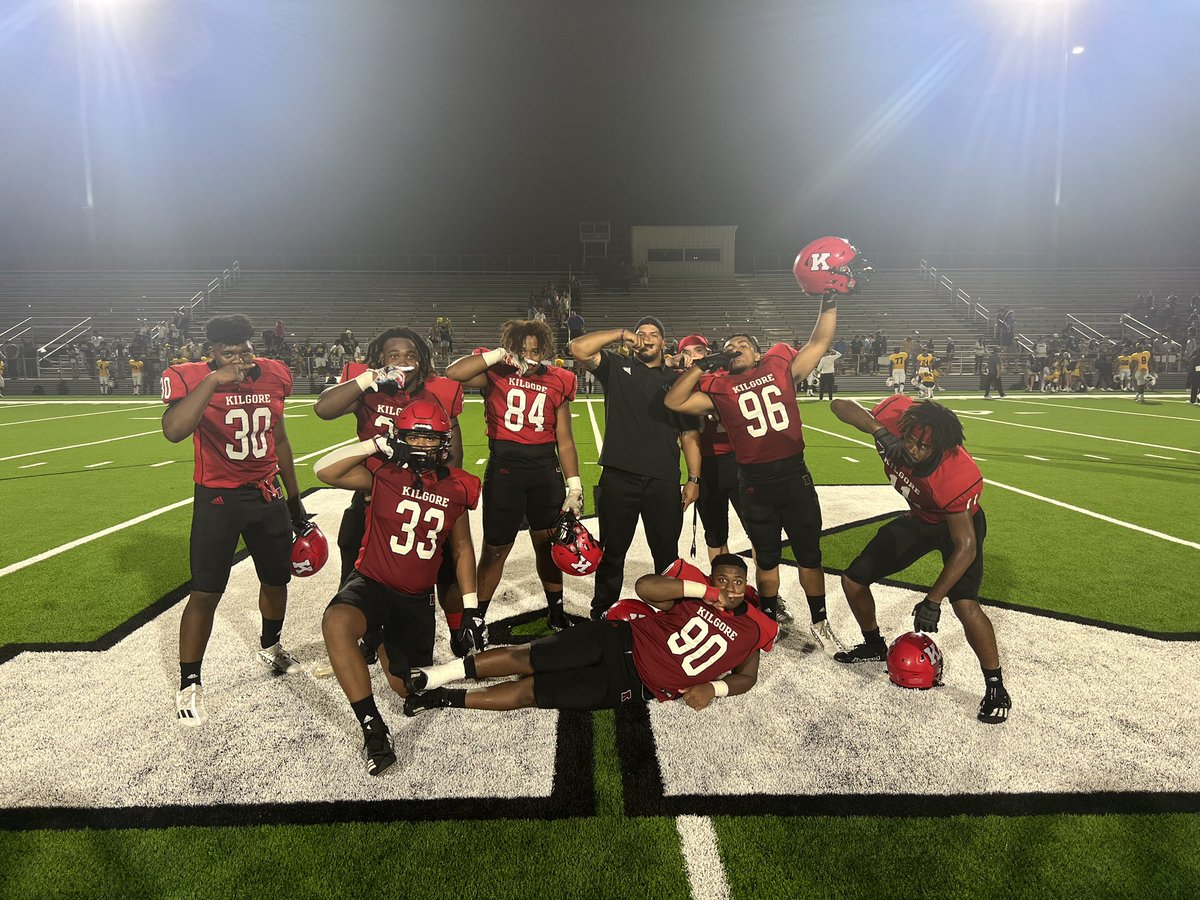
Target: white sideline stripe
[31, 465]
[107, 462]
[307, 456]
[103, 412]
[1156, 456]
[1017, 413]
[1038, 458]
[595, 425]
[18, 566]
[1095, 437]
[1115, 412]
[123, 437]
[850, 459]
[480, 462]
[1094, 456]
[702, 858]
[156, 465]
[1050, 500]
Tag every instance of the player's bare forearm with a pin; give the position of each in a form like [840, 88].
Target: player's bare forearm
[337, 400]
[683, 396]
[586, 348]
[822, 336]
[469, 370]
[456, 447]
[564, 435]
[689, 442]
[850, 412]
[659, 590]
[183, 417]
[962, 533]
[343, 467]
[287, 463]
[464, 554]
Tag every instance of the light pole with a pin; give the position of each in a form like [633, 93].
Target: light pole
[1066, 52]
[89, 209]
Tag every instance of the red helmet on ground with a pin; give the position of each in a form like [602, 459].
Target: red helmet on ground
[572, 546]
[425, 416]
[915, 661]
[310, 551]
[830, 265]
[627, 609]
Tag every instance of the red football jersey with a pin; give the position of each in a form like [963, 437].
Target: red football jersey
[235, 440]
[954, 486]
[523, 408]
[714, 439]
[759, 408]
[409, 521]
[692, 643]
[377, 411]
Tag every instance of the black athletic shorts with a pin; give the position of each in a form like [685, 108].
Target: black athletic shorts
[520, 484]
[219, 517]
[588, 666]
[902, 541]
[718, 489]
[780, 497]
[407, 620]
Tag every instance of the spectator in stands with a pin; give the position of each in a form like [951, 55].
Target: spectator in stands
[3, 366]
[1033, 374]
[575, 325]
[278, 333]
[981, 353]
[1007, 323]
[447, 334]
[825, 369]
[1193, 376]
[337, 357]
[643, 275]
[949, 363]
[993, 373]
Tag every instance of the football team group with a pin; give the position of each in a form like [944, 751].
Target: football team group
[406, 544]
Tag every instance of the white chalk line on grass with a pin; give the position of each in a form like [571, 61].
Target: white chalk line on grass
[591, 405]
[1115, 412]
[702, 858]
[1094, 437]
[137, 520]
[123, 437]
[1050, 500]
[125, 408]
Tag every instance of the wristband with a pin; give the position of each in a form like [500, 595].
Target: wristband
[695, 590]
[470, 600]
[574, 483]
[720, 688]
[622, 335]
[365, 379]
[694, 479]
[494, 356]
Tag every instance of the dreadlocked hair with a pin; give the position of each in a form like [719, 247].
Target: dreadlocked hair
[945, 430]
[228, 330]
[514, 331]
[425, 359]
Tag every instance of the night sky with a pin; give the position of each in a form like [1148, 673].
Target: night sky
[495, 125]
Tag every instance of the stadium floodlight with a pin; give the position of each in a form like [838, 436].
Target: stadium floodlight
[1077, 49]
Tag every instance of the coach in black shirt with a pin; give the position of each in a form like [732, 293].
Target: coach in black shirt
[641, 452]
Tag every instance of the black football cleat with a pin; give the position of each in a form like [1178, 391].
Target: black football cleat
[378, 752]
[994, 707]
[556, 617]
[415, 704]
[872, 652]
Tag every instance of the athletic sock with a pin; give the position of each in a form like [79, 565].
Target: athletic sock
[189, 674]
[368, 716]
[456, 698]
[271, 631]
[769, 605]
[483, 607]
[993, 677]
[872, 637]
[554, 598]
[816, 607]
[454, 621]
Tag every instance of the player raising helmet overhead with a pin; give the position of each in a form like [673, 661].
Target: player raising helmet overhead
[233, 409]
[418, 509]
[921, 444]
[756, 401]
[527, 410]
[398, 369]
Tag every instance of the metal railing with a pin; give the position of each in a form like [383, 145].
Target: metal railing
[1170, 358]
[52, 346]
[1085, 330]
[7, 336]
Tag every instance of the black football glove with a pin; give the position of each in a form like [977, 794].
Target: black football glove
[473, 633]
[715, 361]
[891, 447]
[394, 448]
[926, 615]
[297, 514]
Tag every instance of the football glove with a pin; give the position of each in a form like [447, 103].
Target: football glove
[473, 633]
[393, 447]
[890, 447]
[926, 615]
[574, 501]
[715, 361]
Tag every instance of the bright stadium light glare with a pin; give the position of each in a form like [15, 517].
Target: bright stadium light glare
[1077, 49]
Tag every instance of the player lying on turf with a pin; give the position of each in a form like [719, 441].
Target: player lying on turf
[703, 643]
[921, 444]
[418, 506]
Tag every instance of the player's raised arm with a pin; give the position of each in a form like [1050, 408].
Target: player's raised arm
[683, 396]
[470, 369]
[344, 467]
[341, 398]
[889, 445]
[822, 336]
[586, 348]
[183, 417]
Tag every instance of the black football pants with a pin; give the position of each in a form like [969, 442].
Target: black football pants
[623, 498]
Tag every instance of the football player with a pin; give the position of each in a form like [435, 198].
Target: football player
[136, 374]
[103, 365]
[527, 410]
[1123, 366]
[921, 444]
[1139, 361]
[703, 644]
[233, 410]
[898, 359]
[398, 369]
[418, 507]
[757, 403]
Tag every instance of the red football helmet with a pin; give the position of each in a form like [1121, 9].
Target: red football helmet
[915, 661]
[628, 609]
[830, 265]
[572, 546]
[425, 416]
[310, 551]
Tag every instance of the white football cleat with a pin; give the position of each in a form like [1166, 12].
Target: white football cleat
[823, 634]
[279, 660]
[189, 706]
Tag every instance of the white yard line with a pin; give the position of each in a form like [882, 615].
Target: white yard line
[1156, 456]
[103, 412]
[31, 465]
[1038, 458]
[1095, 437]
[702, 858]
[1115, 412]
[591, 405]
[1094, 456]
[1050, 500]
[850, 459]
[123, 437]
[107, 462]
[157, 465]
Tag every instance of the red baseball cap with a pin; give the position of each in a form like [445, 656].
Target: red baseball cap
[693, 340]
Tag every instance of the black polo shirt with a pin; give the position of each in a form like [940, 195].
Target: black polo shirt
[640, 433]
